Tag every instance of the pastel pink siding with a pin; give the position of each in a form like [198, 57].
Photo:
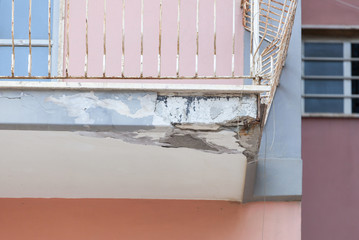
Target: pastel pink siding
[330, 12]
[187, 44]
[330, 178]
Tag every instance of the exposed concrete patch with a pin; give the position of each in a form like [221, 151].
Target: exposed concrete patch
[249, 137]
[240, 140]
[181, 139]
[206, 110]
[198, 127]
[162, 110]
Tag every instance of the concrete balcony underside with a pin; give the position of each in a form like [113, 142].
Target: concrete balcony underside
[121, 143]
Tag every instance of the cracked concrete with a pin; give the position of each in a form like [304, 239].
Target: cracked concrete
[199, 140]
[217, 124]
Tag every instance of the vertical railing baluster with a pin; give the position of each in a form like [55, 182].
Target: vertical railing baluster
[234, 35]
[67, 37]
[12, 39]
[104, 39]
[197, 38]
[178, 36]
[86, 37]
[29, 61]
[160, 42]
[142, 16]
[215, 40]
[61, 39]
[123, 39]
[49, 38]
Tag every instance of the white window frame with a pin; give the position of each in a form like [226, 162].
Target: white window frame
[347, 76]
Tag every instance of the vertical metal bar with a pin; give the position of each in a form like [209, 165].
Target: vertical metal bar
[215, 40]
[61, 38]
[280, 25]
[12, 39]
[87, 39]
[142, 13]
[197, 37]
[255, 23]
[251, 51]
[29, 61]
[347, 83]
[234, 35]
[49, 36]
[67, 37]
[104, 39]
[160, 42]
[178, 36]
[123, 39]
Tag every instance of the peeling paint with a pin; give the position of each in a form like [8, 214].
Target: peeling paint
[204, 110]
[165, 110]
[78, 105]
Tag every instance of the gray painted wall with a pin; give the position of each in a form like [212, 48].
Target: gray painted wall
[279, 169]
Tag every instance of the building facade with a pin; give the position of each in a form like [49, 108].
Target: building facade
[329, 122]
[150, 119]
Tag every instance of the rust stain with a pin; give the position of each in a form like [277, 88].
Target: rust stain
[123, 39]
[87, 40]
[30, 48]
[49, 37]
[12, 39]
[67, 37]
[160, 42]
[104, 39]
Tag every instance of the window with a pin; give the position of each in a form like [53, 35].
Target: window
[331, 77]
[39, 37]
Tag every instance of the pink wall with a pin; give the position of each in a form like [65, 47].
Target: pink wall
[44, 219]
[151, 38]
[330, 12]
[330, 151]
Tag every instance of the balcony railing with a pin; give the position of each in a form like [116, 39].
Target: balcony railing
[153, 39]
[134, 39]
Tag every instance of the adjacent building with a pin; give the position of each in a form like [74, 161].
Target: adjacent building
[150, 119]
[329, 124]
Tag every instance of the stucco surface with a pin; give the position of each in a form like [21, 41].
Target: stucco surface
[330, 12]
[58, 219]
[330, 178]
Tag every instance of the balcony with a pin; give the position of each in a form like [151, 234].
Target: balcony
[137, 99]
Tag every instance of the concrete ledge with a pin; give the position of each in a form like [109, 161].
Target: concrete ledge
[157, 87]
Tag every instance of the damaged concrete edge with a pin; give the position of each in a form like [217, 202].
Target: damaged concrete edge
[214, 124]
[251, 172]
[198, 89]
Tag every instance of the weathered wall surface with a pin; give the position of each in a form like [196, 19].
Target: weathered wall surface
[121, 108]
[126, 144]
[40, 219]
[330, 178]
[342, 13]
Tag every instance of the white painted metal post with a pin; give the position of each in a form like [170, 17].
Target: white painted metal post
[255, 61]
[347, 82]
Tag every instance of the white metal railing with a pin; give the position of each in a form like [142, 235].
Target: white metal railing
[270, 23]
[64, 53]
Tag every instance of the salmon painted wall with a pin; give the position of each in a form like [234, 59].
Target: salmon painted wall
[330, 12]
[330, 178]
[132, 42]
[91, 219]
